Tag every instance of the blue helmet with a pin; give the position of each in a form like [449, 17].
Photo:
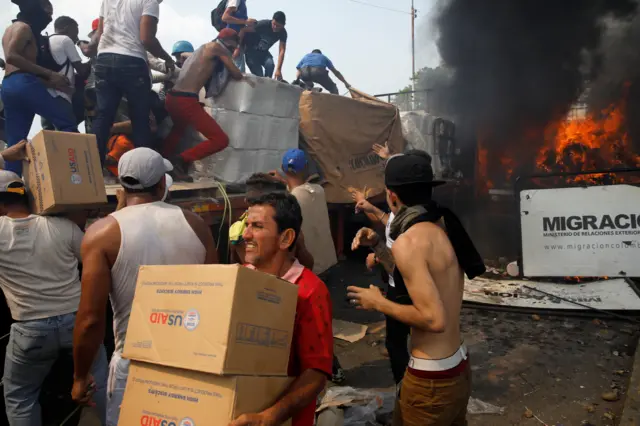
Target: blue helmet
[182, 47]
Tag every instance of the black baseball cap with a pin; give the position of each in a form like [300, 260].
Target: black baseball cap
[408, 169]
[280, 18]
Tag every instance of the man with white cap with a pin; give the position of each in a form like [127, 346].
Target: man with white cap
[147, 231]
[39, 258]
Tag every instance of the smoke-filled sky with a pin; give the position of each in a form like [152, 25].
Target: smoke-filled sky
[519, 65]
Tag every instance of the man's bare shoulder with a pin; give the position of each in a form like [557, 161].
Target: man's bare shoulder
[18, 28]
[421, 235]
[103, 232]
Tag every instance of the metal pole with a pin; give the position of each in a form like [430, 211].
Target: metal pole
[413, 41]
[413, 49]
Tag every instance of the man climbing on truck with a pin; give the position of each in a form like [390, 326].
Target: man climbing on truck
[258, 42]
[205, 67]
[313, 69]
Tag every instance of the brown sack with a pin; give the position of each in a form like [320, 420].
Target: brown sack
[340, 133]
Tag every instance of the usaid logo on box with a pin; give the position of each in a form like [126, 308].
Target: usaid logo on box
[171, 318]
[147, 420]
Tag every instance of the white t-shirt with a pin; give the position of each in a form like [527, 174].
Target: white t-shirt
[390, 241]
[316, 226]
[121, 31]
[64, 52]
[39, 266]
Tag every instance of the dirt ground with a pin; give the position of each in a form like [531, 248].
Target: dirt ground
[557, 367]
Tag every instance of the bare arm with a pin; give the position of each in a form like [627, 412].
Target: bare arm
[88, 334]
[235, 73]
[91, 50]
[427, 312]
[148, 31]
[303, 391]
[302, 254]
[283, 50]
[17, 44]
[339, 76]
[384, 256]
[204, 234]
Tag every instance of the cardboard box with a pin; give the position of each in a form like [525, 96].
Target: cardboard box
[64, 172]
[157, 395]
[220, 319]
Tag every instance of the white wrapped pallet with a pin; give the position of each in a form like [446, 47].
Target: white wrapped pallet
[268, 97]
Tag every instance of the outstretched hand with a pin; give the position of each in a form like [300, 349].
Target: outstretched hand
[382, 151]
[17, 152]
[365, 298]
[365, 237]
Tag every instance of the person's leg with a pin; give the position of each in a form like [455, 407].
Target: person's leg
[396, 341]
[269, 65]
[254, 62]
[108, 96]
[433, 402]
[18, 114]
[64, 112]
[118, 373]
[77, 100]
[99, 370]
[31, 352]
[179, 118]
[321, 76]
[217, 139]
[136, 84]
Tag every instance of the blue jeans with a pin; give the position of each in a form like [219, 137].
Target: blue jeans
[63, 104]
[34, 346]
[257, 59]
[117, 76]
[24, 96]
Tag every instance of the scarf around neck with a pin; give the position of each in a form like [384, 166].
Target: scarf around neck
[468, 257]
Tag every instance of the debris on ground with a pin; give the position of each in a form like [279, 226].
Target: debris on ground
[609, 415]
[590, 408]
[348, 331]
[476, 406]
[528, 414]
[611, 396]
[535, 317]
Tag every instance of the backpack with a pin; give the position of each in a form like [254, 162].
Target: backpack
[45, 58]
[216, 16]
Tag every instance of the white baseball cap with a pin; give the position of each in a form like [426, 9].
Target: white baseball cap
[143, 165]
[11, 182]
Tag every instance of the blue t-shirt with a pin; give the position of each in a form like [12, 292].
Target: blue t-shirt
[315, 60]
[240, 13]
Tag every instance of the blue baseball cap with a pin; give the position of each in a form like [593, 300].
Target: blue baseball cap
[294, 160]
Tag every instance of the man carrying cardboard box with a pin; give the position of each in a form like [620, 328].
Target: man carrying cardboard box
[273, 226]
[39, 259]
[146, 232]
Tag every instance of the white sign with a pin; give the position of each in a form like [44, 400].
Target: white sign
[581, 232]
[613, 294]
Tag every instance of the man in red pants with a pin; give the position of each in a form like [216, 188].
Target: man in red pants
[182, 103]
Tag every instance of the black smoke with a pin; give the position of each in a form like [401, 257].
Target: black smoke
[618, 78]
[520, 64]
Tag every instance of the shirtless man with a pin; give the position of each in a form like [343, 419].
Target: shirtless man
[24, 88]
[182, 103]
[145, 232]
[432, 252]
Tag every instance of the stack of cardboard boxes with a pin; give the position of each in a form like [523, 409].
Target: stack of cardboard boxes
[208, 343]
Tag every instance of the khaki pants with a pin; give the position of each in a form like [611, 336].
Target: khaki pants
[433, 402]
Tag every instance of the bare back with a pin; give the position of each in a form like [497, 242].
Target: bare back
[19, 39]
[199, 67]
[435, 281]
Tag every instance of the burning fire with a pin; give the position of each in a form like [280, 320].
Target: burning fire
[596, 141]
